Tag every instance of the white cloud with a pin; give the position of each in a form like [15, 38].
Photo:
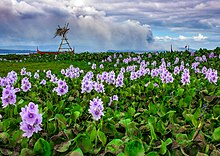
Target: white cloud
[181, 37]
[200, 37]
[163, 38]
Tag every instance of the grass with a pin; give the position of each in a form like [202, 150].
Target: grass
[54, 66]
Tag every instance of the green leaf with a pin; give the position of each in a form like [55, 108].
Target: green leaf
[181, 139]
[102, 137]
[76, 152]
[76, 115]
[163, 148]
[125, 122]
[134, 148]
[152, 132]
[152, 108]
[121, 154]
[216, 110]
[115, 146]
[26, 151]
[20, 101]
[168, 141]
[61, 121]
[187, 100]
[84, 143]
[131, 111]
[63, 147]
[42, 147]
[153, 153]
[192, 119]
[216, 134]
[93, 134]
[180, 91]
[181, 103]
[51, 127]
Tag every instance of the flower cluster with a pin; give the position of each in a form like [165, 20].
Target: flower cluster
[119, 82]
[87, 83]
[25, 84]
[166, 76]
[212, 55]
[9, 96]
[72, 72]
[185, 78]
[10, 79]
[96, 108]
[31, 120]
[176, 70]
[211, 75]
[62, 88]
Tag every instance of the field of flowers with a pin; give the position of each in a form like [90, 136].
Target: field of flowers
[122, 104]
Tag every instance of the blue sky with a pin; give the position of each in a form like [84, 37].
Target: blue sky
[99, 25]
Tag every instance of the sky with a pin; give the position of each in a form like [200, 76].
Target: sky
[100, 25]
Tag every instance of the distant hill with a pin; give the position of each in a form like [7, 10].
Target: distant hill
[8, 51]
[135, 51]
[190, 49]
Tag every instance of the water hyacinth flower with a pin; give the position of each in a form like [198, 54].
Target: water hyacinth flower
[23, 71]
[212, 75]
[176, 70]
[25, 84]
[31, 120]
[156, 85]
[93, 66]
[43, 82]
[86, 86]
[9, 96]
[185, 78]
[96, 108]
[36, 75]
[115, 97]
[176, 60]
[48, 74]
[62, 88]
[101, 66]
[62, 71]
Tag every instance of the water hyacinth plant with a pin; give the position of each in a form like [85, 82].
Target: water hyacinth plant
[31, 120]
[111, 104]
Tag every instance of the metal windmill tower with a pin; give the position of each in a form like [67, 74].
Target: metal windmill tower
[62, 32]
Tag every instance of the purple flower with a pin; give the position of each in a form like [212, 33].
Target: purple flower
[156, 85]
[31, 120]
[62, 71]
[27, 128]
[36, 75]
[96, 108]
[101, 66]
[62, 88]
[25, 84]
[115, 97]
[93, 66]
[8, 96]
[185, 78]
[43, 82]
